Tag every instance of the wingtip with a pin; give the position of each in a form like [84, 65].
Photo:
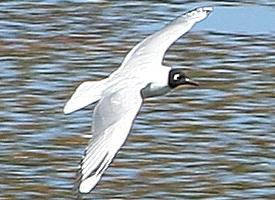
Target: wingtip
[88, 184]
[198, 14]
[207, 9]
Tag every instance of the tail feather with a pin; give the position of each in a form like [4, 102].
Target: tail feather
[87, 93]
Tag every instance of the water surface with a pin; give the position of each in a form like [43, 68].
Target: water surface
[211, 142]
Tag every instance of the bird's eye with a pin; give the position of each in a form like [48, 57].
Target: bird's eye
[176, 77]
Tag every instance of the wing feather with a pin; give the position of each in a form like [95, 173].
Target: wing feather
[113, 116]
[152, 49]
[120, 101]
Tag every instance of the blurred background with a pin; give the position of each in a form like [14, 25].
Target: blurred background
[216, 141]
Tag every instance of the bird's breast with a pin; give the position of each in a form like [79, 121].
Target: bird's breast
[157, 82]
[154, 89]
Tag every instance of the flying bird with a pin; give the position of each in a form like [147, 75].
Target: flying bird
[119, 97]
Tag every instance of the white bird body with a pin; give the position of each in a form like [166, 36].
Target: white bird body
[120, 96]
[159, 85]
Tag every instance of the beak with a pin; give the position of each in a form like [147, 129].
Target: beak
[188, 81]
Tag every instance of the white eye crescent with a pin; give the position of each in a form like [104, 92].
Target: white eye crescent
[176, 77]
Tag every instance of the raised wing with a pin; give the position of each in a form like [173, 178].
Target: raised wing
[153, 48]
[112, 121]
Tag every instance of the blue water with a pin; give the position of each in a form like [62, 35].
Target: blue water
[241, 20]
[215, 141]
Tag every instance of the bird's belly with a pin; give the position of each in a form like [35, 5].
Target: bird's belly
[154, 89]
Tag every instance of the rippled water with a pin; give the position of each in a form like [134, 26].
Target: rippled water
[216, 141]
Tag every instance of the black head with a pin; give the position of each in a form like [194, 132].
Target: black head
[177, 78]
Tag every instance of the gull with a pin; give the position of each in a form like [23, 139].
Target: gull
[120, 96]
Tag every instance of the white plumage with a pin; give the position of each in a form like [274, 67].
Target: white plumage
[120, 95]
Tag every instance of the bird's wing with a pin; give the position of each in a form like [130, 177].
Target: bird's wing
[112, 121]
[153, 48]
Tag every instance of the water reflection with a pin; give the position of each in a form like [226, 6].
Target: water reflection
[215, 141]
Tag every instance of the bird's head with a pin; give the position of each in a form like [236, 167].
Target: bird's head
[177, 77]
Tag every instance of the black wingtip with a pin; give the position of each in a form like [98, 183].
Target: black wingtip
[207, 9]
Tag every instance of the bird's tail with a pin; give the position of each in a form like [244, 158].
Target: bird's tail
[87, 93]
